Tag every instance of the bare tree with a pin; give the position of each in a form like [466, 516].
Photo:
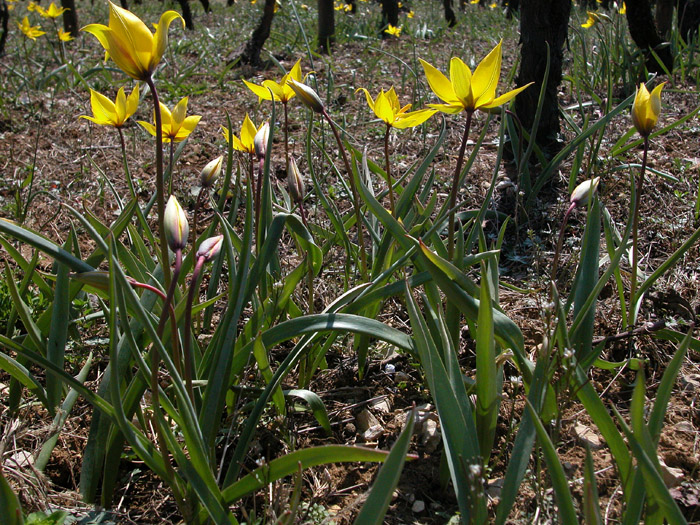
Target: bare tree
[4, 17]
[647, 38]
[449, 13]
[326, 25]
[70, 17]
[390, 15]
[251, 53]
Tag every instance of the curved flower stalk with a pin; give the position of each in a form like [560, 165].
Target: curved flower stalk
[311, 100]
[468, 92]
[645, 114]
[387, 108]
[137, 52]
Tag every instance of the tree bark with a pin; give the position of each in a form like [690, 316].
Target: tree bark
[186, 13]
[70, 17]
[645, 35]
[688, 18]
[449, 13]
[664, 17]
[326, 25]
[5, 17]
[251, 53]
[390, 15]
[543, 24]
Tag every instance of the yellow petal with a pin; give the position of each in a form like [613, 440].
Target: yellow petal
[485, 79]
[383, 110]
[448, 108]
[277, 90]
[120, 107]
[148, 127]
[295, 72]
[160, 39]
[439, 83]
[248, 131]
[261, 92]
[393, 99]
[499, 101]
[179, 112]
[187, 127]
[102, 108]
[461, 79]
[370, 100]
[132, 103]
[131, 42]
[414, 118]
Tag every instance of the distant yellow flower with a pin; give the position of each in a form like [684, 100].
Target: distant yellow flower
[29, 30]
[623, 9]
[411, 14]
[281, 92]
[52, 12]
[467, 91]
[494, 5]
[646, 108]
[393, 31]
[304, 6]
[246, 142]
[338, 7]
[387, 108]
[64, 36]
[108, 113]
[474, 2]
[33, 6]
[176, 126]
[399, 5]
[593, 18]
[130, 43]
[11, 4]
[347, 8]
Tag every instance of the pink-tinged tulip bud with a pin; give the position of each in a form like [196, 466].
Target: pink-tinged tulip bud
[307, 95]
[176, 227]
[211, 172]
[295, 184]
[210, 248]
[260, 141]
[584, 191]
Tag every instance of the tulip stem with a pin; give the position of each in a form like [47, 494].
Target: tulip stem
[635, 235]
[187, 354]
[355, 196]
[257, 188]
[160, 185]
[127, 173]
[455, 188]
[388, 171]
[560, 240]
[170, 166]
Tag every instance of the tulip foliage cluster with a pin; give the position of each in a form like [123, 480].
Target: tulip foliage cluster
[195, 298]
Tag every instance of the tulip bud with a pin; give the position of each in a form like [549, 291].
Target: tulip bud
[210, 172]
[646, 109]
[176, 227]
[260, 141]
[210, 248]
[295, 183]
[307, 95]
[584, 191]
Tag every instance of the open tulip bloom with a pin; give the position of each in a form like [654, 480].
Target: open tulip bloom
[176, 126]
[281, 92]
[646, 108]
[108, 113]
[246, 142]
[129, 42]
[467, 91]
[387, 108]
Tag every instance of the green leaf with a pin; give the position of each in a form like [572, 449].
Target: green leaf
[10, 509]
[591, 504]
[315, 404]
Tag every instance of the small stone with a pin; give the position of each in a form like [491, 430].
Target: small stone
[672, 476]
[401, 377]
[350, 428]
[494, 488]
[381, 405]
[20, 459]
[586, 436]
[366, 420]
[690, 382]
[681, 426]
[431, 436]
[389, 369]
[418, 506]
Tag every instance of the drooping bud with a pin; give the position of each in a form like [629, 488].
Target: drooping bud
[211, 172]
[295, 184]
[210, 248]
[584, 191]
[307, 95]
[177, 228]
[260, 141]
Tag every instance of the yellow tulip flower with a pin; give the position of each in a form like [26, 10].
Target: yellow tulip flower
[130, 43]
[176, 126]
[387, 108]
[646, 109]
[64, 36]
[53, 11]
[108, 113]
[281, 92]
[29, 30]
[393, 31]
[246, 143]
[465, 91]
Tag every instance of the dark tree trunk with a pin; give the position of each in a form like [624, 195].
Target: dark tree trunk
[4, 18]
[124, 4]
[186, 13]
[70, 17]
[390, 15]
[449, 13]
[230, 2]
[353, 6]
[644, 34]
[664, 17]
[205, 5]
[688, 18]
[543, 23]
[251, 53]
[326, 25]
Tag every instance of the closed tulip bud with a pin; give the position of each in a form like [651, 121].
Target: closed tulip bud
[211, 172]
[584, 191]
[307, 95]
[210, 248]
[260, 141]
[176, 227]
[294, 182]
[646, 109]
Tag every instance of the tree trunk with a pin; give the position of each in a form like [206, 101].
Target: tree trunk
[124, 4]
[390, 15]
[326, 25]
[186, 13]
[251, 53]
[449, 13]
[664, 17]
[543, 24]
[688, 18]
[70, 18]
[644, 34]
[4, 16]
